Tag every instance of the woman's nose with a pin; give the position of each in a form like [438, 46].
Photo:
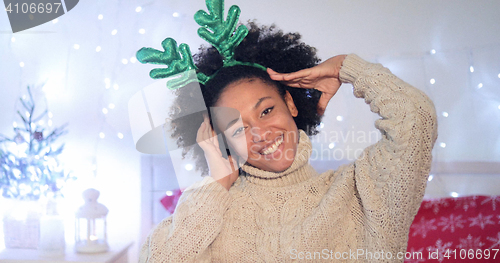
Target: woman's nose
[259, 134]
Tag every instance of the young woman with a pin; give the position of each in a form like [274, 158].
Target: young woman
[276, 208]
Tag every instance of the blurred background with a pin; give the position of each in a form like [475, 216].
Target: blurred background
[82, 67]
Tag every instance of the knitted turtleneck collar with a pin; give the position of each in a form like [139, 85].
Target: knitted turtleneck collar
[299, 171]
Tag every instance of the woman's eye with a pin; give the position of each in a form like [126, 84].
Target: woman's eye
[267, 111]
[238, 131]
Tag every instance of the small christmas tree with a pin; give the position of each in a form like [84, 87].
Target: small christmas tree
[29, 167]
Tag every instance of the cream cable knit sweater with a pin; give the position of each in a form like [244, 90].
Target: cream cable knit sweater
[361, 211]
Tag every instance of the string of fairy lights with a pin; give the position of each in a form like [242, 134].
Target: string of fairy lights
[108, 106]
[109, 76]
[474, 85]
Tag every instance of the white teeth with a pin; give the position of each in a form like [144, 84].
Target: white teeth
[274, 146]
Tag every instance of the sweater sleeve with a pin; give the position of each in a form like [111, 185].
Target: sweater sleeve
[186, 235]
[391, 175]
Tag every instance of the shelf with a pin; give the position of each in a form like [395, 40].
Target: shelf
[118, 253]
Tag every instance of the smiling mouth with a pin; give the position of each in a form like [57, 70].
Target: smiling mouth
[273, 147]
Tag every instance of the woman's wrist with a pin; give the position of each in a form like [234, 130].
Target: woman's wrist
[344, 56]
[352, 66]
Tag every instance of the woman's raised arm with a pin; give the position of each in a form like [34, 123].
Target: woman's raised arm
[323, 77]
[390, 176]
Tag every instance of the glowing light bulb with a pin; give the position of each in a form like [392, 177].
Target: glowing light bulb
[169, 193]
[120, 135]
[430, 178]
[105, 111]
[340, 118]
[21, 64]
[480, 85]
[114, 32]
[471, 69]
[15, 123]
[133, 60]
[331, 145]
[432, 81]
[98, 48]
[442, 145]
[142, 31]
[100, 17]
[138, 9]
[125, 61]
[454, 194]
[102, 135]
[76, 46]
[175, 14]
[445, 114]
[188, 167]
[498, 75]
[433, 51]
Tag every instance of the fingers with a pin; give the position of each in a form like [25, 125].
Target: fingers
[205, 134]
[288, 76]
[200, 133]
[301, 83]
[208, 128]
[208, 140]
[210, 133]
[215, 138]
[299, 79]
[232, 163]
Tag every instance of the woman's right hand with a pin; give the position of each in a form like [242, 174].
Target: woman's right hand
[323, 77]
[224, 171]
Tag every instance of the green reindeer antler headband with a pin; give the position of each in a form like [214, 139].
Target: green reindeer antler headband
[221, 34]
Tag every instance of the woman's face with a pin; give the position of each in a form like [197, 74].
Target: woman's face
[265, 135]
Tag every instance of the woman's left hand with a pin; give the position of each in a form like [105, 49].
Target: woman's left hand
[225, 171]
[323, 77]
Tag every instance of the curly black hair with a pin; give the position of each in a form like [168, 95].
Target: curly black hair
[264, 45]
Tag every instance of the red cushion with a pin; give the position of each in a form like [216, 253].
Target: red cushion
[170, 201]
[463, 229]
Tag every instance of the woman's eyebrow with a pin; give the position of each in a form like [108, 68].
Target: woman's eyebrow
[231, 123]
[260, 101]
[254, 107]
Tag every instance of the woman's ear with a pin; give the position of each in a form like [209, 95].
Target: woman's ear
[290, 104]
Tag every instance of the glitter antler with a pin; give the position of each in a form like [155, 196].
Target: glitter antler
[178, 60]
[221, 34]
